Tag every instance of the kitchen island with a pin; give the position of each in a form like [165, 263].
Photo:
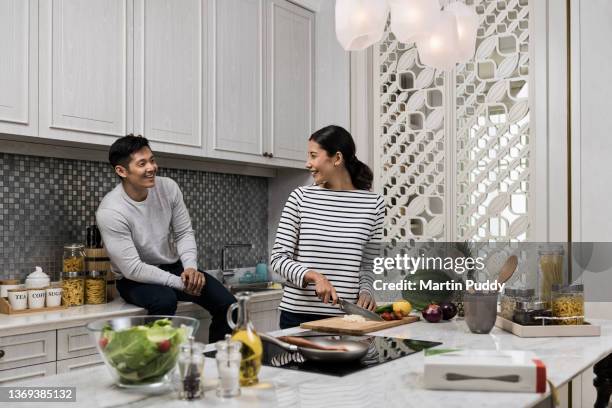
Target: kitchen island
[398, 383]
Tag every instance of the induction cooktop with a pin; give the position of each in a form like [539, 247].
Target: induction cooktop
[380, 351]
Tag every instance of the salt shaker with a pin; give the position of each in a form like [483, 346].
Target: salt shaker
[190, 370]
[228, 365]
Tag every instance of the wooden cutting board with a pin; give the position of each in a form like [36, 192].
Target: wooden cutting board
[339, 325]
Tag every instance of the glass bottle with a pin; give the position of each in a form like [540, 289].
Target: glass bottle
[550, 265]
[228, 366]
[244, 332]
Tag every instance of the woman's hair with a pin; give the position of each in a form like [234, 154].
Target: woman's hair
[335, 139]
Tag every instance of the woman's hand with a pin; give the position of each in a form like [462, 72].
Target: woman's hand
[366, 301]
[324, 290]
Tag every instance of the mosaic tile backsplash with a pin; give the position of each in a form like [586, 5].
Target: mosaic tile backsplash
[47, 202]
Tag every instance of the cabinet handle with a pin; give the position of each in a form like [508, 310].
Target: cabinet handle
[1, 353]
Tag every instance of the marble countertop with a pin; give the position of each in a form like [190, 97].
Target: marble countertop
[80, 315]
[398, 383]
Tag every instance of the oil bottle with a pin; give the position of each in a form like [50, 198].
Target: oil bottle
[244, 332]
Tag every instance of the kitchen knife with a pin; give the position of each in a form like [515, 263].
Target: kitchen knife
[351, 308]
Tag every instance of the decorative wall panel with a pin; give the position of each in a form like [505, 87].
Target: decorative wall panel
[455, 146]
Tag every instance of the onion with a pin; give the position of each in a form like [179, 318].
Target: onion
[432, 313]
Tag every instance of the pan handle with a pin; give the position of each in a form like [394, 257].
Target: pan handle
[281, 344]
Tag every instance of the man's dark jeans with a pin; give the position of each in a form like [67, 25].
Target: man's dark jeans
[162, 300]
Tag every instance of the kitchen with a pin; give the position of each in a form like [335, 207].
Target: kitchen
[228, 92]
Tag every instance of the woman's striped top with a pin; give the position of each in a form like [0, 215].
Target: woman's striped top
[326, 231]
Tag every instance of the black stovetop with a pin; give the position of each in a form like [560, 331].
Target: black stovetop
[381, 350]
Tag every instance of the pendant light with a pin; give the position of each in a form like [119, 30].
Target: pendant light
[360, 23]
[467, 28]
[438, 48]
[411, 19]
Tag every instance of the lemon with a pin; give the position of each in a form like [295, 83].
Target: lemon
[402, 307]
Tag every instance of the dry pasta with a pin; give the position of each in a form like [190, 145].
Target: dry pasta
[570, 307]
[95, 291]
[74, 264]
[72, 292]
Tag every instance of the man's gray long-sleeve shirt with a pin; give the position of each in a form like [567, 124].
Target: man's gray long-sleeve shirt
[138, 236]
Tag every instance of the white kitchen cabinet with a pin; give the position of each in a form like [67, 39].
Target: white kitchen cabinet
[27, 349]
[84, 92]
[170, 73]
[290, 50]
[24, 373]
[19, 67]
[237, 44]
[78, 363]
[75, 342]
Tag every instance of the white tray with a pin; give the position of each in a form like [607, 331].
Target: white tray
[581, 330]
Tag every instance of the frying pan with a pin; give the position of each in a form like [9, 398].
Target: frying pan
[354, 349]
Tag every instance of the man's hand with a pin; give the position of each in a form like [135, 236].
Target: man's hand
[193, 280]
[324, 290]
[366, 301]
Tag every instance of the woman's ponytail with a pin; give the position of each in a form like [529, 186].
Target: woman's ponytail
[335, 139]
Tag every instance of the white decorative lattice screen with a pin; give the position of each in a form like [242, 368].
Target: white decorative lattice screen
[454, 147]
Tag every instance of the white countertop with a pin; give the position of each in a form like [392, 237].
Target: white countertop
[398, 383]
[80, 315]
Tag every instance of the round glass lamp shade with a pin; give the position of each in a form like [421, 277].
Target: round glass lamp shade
[467, 28]
[438, 49]
[360, 23]
[411, 19]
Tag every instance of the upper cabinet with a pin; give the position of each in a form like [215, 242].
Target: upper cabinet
[290, 79]
[19, 67]
[84, 89]
[235, 80]
[237, 37]
[170, 73]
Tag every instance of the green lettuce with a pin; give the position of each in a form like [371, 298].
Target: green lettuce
[135, 352]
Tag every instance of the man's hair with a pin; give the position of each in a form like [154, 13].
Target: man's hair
[120, 151]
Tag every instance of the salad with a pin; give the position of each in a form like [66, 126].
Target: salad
[142, 354]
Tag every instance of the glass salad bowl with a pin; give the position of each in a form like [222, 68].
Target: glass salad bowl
[141, 351]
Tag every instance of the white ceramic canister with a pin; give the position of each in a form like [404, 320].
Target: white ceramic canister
[36, 298]
[54, 296]
[37, 279]
[18, 298]
[7, 284]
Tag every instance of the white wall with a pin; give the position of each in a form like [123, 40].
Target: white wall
[591, 30]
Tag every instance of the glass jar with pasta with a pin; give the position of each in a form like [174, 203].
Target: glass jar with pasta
[95, 287]
[74, 258]
[73, 288]
[550, 267]
[568, 304]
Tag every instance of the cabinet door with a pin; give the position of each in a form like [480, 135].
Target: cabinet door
[290, 79]
[26, 373]
[84, 70]
[170, 70]
[237, 119]
[27, 349]
[75, 342]
[19, 67]
[78, 363]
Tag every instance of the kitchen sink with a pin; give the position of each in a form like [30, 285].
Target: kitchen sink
[250, 287]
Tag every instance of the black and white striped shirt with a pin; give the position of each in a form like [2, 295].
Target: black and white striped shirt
[326, 231]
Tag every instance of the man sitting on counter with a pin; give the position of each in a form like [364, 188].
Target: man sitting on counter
[147, 233]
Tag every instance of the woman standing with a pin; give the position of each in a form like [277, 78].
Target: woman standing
[324, 230]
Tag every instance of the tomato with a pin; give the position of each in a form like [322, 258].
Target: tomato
[163, 346]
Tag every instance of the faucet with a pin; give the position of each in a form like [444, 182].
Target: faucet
[229, 272]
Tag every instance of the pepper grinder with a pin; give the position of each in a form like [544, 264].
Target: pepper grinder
[191, 368]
